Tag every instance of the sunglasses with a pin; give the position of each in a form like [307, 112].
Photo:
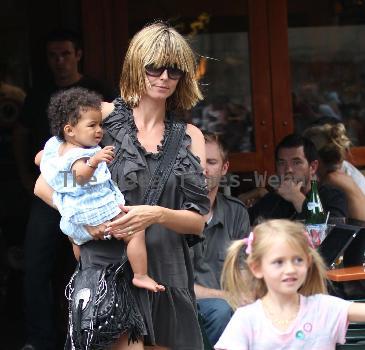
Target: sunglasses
[172, 72]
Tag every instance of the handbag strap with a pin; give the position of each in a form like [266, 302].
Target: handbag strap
[164, 167]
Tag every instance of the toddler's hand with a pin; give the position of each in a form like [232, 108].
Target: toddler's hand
[97, 232]
[104, 155]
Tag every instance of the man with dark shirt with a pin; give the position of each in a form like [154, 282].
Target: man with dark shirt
[296, 165]
[43, 238]
[227, 220]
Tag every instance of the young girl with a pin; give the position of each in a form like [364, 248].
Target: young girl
[285, 280]
[75, 166]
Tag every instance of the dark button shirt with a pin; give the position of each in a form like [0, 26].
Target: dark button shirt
[230, 221]
[273, 206]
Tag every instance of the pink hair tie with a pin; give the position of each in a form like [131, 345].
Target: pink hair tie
[248, 241]
[307, 235]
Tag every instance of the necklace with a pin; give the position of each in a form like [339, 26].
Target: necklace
[277, 318]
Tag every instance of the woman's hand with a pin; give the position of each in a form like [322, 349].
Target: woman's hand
[137, 218]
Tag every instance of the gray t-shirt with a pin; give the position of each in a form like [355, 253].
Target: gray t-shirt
[230, 222]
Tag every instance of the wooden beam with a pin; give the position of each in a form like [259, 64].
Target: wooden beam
[105, 38]
[280, 69]
[261, 88]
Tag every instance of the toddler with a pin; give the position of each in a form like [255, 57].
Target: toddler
[75, 167]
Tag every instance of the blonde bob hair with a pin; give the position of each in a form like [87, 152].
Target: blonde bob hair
[160, 45]
[239, 282]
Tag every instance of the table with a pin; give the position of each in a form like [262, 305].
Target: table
[347, 274]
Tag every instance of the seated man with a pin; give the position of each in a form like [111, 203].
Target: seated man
[227, 220]
[296, 165]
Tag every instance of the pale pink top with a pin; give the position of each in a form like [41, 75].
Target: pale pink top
[321, 322]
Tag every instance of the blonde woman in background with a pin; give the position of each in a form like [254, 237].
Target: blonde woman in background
[333, 147]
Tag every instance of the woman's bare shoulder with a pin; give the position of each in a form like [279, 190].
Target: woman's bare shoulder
[197, 142]
[342, 181]
[106, 109]
[194, 132]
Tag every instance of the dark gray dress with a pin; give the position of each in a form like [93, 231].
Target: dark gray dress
[170, 316]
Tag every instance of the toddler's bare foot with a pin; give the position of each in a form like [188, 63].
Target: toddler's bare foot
[145, 281]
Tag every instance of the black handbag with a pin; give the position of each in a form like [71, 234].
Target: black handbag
[101, 304]
[101, 307]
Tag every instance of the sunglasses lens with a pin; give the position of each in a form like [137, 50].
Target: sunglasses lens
[174, 73]
[154, 71]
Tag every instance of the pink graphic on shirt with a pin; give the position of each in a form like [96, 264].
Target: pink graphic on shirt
[307, 327]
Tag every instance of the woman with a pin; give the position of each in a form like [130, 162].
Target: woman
[333, 147]
[158, 77]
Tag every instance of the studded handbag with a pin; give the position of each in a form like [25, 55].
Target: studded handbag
[101, 307]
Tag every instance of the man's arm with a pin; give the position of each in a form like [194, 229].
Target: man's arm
[290, 191]
[203, 292]
[271, 206]
[250, 197]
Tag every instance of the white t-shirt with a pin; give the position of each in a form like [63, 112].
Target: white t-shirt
[321, 322]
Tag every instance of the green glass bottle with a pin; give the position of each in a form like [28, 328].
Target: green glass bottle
[314, 211]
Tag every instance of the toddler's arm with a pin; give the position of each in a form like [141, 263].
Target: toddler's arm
[85, 168]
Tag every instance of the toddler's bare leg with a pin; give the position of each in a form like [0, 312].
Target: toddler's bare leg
[137, 256]
[122, 344]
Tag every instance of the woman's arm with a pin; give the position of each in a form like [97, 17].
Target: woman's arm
[197, 143]
[181, 221]
[140, 217]
[44, 191]
[38, 158]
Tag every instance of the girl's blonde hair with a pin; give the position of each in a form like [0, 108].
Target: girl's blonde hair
[331, 142]
[239, 282]
[160, 45]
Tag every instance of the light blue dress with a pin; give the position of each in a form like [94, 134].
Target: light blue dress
[90, 204]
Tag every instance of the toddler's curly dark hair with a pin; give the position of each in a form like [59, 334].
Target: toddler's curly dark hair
[65, 107]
